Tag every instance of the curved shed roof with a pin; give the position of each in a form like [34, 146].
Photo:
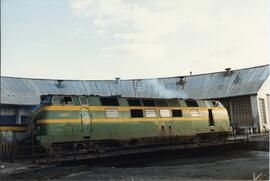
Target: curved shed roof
[26, 91]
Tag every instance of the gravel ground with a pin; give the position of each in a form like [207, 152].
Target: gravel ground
[238, 165]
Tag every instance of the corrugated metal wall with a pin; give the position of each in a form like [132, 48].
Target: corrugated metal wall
[268, 103]
[240, 111]
[262, 110]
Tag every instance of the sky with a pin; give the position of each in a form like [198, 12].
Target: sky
[104, 39]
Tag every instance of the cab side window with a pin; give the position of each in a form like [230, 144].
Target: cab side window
[83, 101]
[45, 99]
[58, 99]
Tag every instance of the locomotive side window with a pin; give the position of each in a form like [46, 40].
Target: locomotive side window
[173, 103]
[136, 113]
[215, 104]
[194, 112]
[161, 103]
[68, 100]
[150, 113]
[83, 100]
[134, 102]
[192, 103]
[149, 103]
[177, 113]
[58, 99]
[165, 113]
[93, 101]
[112, 113]
[109, 101]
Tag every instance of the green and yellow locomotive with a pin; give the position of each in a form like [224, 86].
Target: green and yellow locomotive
[93, 122]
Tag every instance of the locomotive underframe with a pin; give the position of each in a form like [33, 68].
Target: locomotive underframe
[62, 149]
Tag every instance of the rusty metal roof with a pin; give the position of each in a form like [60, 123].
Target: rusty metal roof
[26, 91]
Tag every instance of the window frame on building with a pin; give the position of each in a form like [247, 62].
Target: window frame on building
[262, 110]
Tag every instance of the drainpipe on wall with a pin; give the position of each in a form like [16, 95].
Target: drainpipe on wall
[231, 115]
[18, 116]
[255, 113]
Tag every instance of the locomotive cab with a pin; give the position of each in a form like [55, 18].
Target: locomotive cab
[33, 127]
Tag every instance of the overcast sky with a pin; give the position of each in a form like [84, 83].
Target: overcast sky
[104, 39]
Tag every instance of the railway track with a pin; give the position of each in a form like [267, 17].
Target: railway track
[72, 157]
[52, 169]
[147, 150]
[42, 172]
[58, 170]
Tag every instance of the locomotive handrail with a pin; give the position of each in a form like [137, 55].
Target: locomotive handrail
[91, 121]
[81, 123]
[90, 115]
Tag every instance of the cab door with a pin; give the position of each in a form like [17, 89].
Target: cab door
[86, 122]
[211, 120]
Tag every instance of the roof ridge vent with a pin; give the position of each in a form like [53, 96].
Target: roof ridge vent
[181, 81]
[228, 71]
[117, 80]
[60, 85]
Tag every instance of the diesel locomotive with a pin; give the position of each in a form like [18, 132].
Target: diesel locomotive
[96, 123]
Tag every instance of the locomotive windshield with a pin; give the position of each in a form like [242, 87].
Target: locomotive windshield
[45, 99]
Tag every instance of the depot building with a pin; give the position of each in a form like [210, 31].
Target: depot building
[244, 92]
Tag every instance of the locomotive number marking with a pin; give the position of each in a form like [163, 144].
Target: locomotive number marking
[64, 114]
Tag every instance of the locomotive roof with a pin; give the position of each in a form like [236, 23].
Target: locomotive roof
[118, 96]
